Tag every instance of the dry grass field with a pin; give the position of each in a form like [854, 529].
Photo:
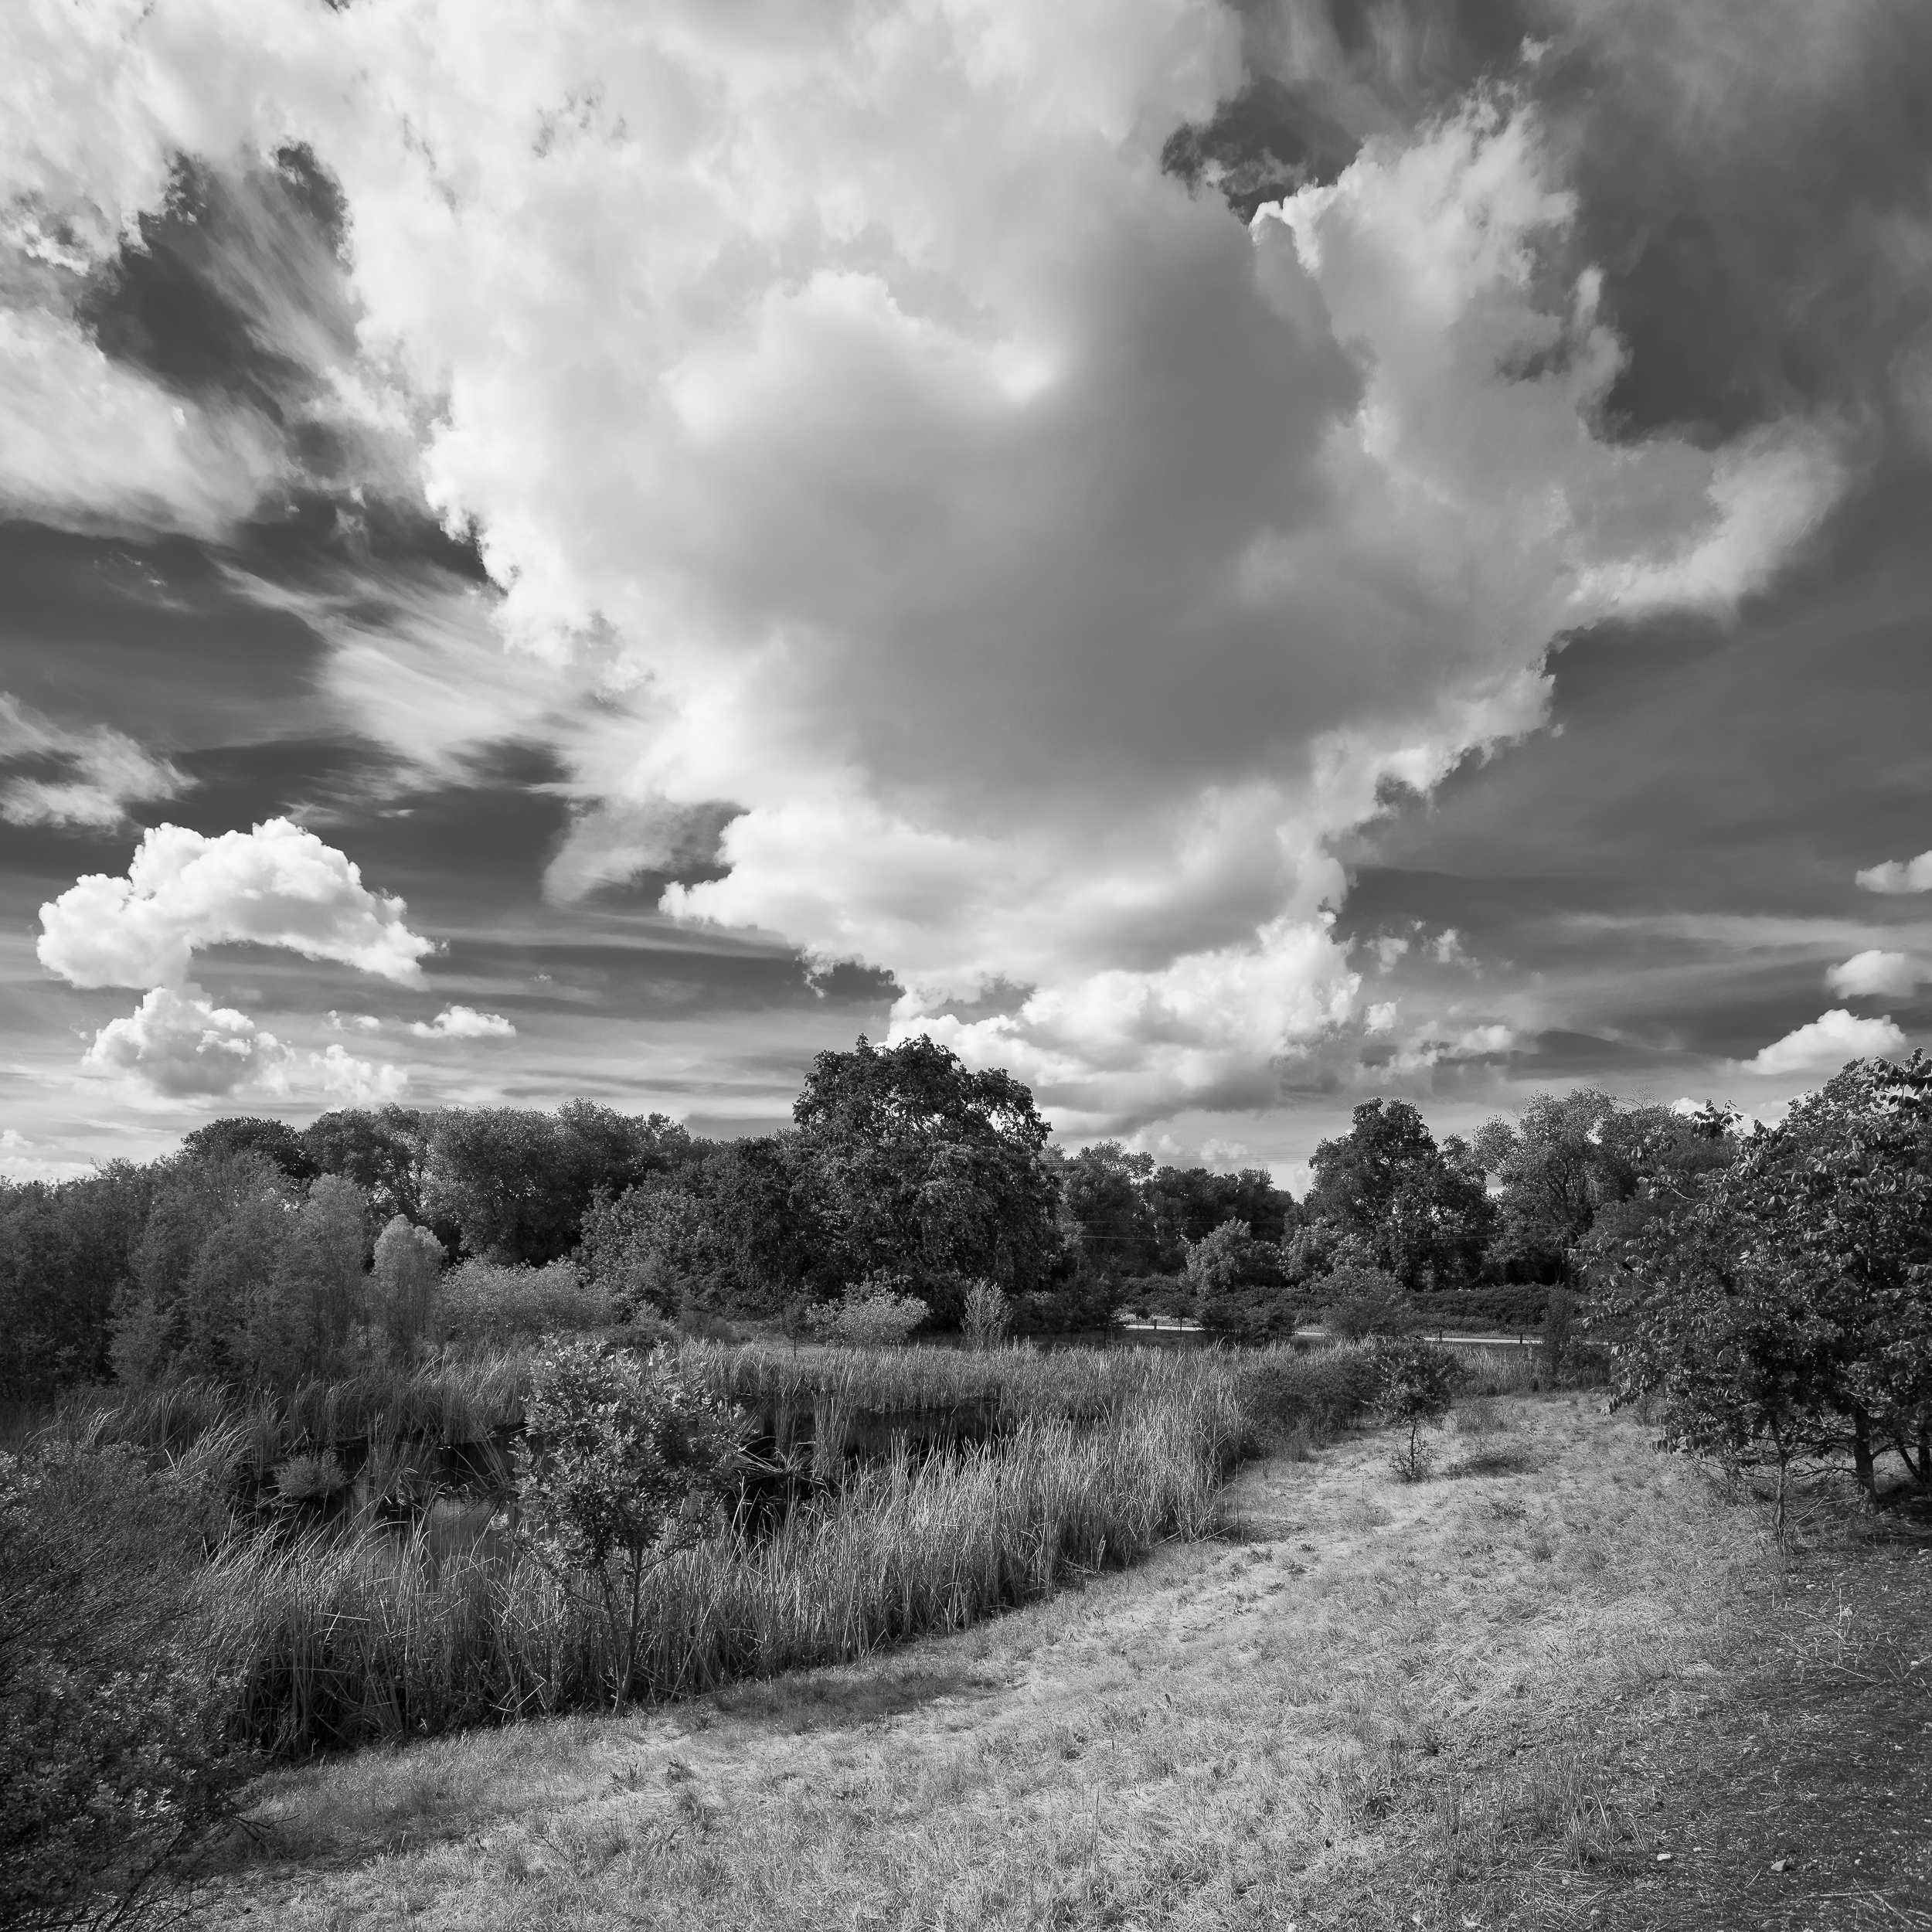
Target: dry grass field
[1561, 1684]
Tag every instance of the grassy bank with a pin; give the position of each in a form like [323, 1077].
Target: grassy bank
[1469, 1701]
[350, 1640]
[339, 1631]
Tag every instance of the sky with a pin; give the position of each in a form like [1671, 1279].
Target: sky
[1227, 556]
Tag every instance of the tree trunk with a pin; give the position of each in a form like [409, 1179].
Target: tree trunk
[1861, 1454]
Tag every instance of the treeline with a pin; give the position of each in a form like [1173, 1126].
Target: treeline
[265, 1253]
[268, 1254]
[1773, 1286]
[1455, 1229]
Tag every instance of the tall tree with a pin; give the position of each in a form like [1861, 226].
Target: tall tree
[919, 1166]
[66, 1254]
[514, 1185]
[1791, 1298]
[382, 1149]
[1109, 1219]
[275, 1141]
[1395, 1200]
[1187, 1204]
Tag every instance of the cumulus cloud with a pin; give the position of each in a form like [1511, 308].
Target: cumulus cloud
[177, 1044]
[1898, 876]
[277, 884]
[464, 1022]
[101, 771]
[1824, 1044]
[1873, 971]
[1035, 566]
[180, 1043]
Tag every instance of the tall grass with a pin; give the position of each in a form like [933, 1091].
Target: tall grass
[341, 1643]
[340, 1637]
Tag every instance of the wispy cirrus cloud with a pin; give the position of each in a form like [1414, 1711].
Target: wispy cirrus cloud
[97, 771]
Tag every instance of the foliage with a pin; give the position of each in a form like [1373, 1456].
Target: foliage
[1125, 1218]
[66, 1253]
[1416, 1388]
[401, 1290]
[621, 1464]
[113, 1764]
[487, 1301]
[1367, 1301]
[916, 1165]
[1188, 1203]
[239, 1272]
[988, 1315]
[514, 1185]
[382, 1149]
[275, 1141]
[1782, 1308]
[1570, 1161]
[1392, 1199]
[873, 1314]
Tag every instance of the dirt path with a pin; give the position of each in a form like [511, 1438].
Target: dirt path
[1489, 1700]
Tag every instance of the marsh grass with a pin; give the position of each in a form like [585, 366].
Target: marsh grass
[342, 1641]
[347, 1629]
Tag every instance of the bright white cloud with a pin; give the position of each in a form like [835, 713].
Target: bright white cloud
[1824, 1044]
[464, 1022]
[1873, 971]
[105, 772]
[178, 1045]
[869, 436]
[354, 1023]
[1899, 876]
[90, 445]
[181, 1043]
[277, 885]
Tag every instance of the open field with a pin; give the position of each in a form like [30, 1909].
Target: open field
[1494, 1699]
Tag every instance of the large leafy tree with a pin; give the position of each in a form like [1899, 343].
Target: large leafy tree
[514, 1185]
[1187, 1204]
[275, 1141]
[1388, 1197]
[65, 1256]
[382, 1149]
[1788, 1301]
[918, 1166]
[730, 1231]
[1105, 1212]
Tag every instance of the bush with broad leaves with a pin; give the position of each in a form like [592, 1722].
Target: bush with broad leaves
[622, 1463]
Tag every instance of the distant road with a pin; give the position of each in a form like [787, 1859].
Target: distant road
[1449, 1337]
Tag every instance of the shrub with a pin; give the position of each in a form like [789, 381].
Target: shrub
[485, 1301]
[402, 1287]
[871, 1315]
[1324, 1392]
[112, 1761]
[1366, 1301]
[986, 1316]
[311, 1478]
[1417, 1387]
[621, 1465]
